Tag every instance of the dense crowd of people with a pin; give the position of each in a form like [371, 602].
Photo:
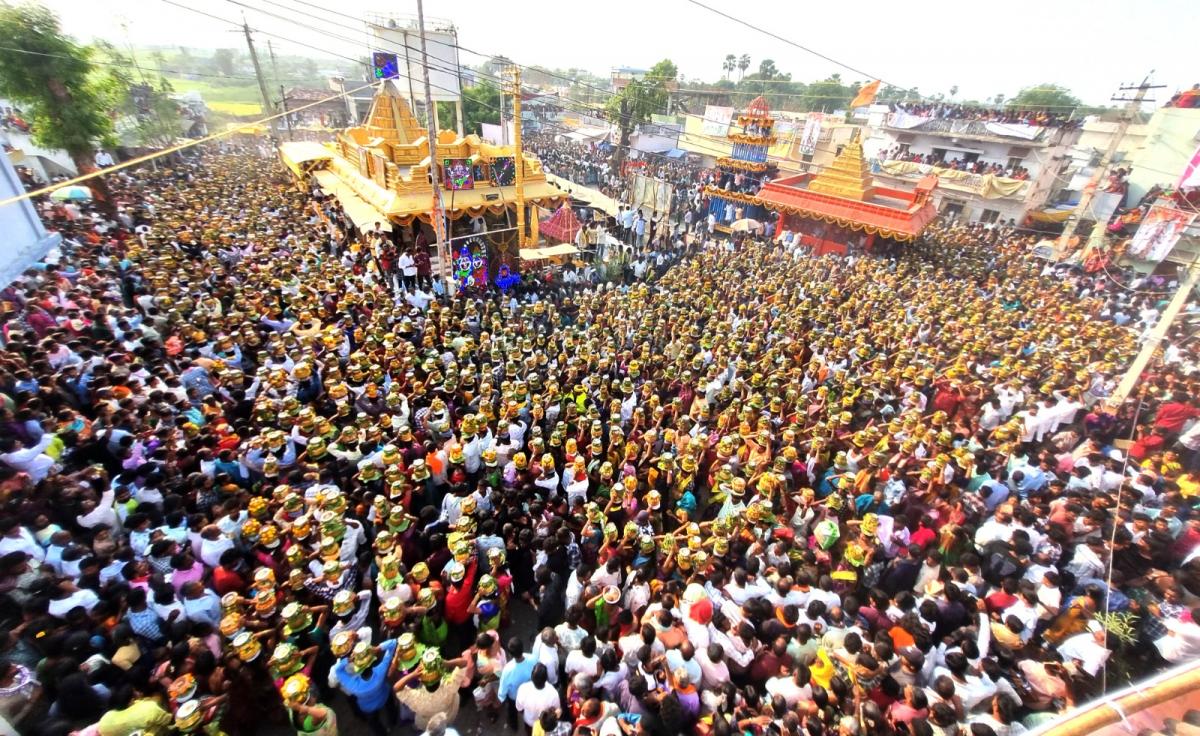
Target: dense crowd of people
[248, 486]
[952, 111]
[978, 166]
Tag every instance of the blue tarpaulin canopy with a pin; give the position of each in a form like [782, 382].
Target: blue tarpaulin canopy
[676, 153]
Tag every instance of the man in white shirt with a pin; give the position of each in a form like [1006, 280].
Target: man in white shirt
[536, 696]
[408, 269]
[100, 513]
[31, 460]
[67, 597]
[583, 660]
[1182, 640]
[19, 539]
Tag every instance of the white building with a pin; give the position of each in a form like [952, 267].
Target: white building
[1042, 151]
[25, 238]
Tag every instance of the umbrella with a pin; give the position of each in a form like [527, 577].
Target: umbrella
[71, 194]
[746, 225]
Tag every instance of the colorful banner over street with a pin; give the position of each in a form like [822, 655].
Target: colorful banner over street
[1159, 232]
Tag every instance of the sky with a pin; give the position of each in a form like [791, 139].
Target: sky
[1090, 46]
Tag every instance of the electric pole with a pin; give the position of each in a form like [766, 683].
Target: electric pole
[519, 168]
[282, 95]
[438, 216]
[1132, 107]
[268, 108]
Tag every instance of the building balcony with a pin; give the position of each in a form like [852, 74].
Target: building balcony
[980, 130]
[985, 186]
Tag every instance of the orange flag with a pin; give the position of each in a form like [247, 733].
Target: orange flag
[866, 95]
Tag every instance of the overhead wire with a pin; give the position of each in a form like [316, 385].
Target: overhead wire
[564, 106]
[173, 149]
[179, 72]
[431, 65]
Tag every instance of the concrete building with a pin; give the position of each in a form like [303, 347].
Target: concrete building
[25, 238]
[1043, 152]
[1171, 138]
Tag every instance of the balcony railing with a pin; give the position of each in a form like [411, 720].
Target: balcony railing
[988, 186]
[1032, 134]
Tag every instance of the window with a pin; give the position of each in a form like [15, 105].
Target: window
[1014, 162]
[952, 209]
[989, 216]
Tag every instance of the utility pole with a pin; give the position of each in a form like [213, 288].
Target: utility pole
[1133, 376]
[1132, 107]
[268, 108]
[519, 168]
[503, 125]
[287, 121]
[458, 106]
[438, 216]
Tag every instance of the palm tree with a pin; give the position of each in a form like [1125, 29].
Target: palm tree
[743, 64]
[729, 65]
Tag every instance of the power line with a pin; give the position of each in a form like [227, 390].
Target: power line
[363, 63]
[562, 107]
[168, 151]
[790, 42]
[583, 83]
[179, 72]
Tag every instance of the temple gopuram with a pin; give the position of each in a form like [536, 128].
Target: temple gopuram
[380, 173]
[842, 206]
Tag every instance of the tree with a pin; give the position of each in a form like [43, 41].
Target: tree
[1043, 97]
[144, 111]
[766, 69]
[953, 90]
[729, 65]
[224, 60]
[743, 65]
[640, 99]
[829, 94]
[59, 90]
[481, 104]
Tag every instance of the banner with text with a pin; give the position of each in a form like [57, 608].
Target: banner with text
[716, 120]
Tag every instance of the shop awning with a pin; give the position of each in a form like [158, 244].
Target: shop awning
[676, 153]
[361, 213]
[541, 254]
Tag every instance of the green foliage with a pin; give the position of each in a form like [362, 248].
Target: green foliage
[729, 64]
[1121, 625]
[1044, 96]
[481, 104]
[829, 94]
[768, 71]
[140, 97]
[642, 98]
[58, 90]
[224, 59]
